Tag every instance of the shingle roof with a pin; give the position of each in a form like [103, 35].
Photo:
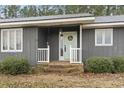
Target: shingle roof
[45, 18]
[106, 19]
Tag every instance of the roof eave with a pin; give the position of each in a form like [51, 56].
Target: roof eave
[83, 20]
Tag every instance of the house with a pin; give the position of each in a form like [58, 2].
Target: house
[72, 37]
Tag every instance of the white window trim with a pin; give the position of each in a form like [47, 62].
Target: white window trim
[2, 30]
[103, 41]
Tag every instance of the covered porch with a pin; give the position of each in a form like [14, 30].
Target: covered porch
[61, 39]
[60, 43]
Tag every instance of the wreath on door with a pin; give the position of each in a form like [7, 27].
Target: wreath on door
[70, 38]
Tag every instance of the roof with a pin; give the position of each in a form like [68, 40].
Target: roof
[98, 19]
[88, 21]
[107, 19]
[54, 20]
[40, 18]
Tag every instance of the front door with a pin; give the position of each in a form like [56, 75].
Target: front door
[67, 39]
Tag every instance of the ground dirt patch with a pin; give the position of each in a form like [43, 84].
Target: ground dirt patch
[57, 81]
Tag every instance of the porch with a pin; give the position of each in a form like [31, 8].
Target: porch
[62, 43]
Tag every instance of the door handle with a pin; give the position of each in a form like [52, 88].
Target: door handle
[65, 48]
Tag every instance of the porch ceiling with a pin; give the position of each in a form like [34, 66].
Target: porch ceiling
[55, 22]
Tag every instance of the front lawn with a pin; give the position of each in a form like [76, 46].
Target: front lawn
[53, 80]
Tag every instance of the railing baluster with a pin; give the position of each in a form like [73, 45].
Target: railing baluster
[41, 52]
[37, 56]
[47, 55]
[76, 55]
[43, 55]
[73, 54]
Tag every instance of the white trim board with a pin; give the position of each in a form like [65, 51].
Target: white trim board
[103, 25]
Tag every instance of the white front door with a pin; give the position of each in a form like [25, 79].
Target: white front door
[66, 39]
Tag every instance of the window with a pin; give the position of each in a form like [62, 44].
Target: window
[11, 40]
[103, 37]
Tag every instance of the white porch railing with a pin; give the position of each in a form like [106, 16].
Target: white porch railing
[75, 55]
[43, 54]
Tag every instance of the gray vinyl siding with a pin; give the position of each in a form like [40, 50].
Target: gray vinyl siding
[29, 46]
[90, 50]
[53, 39]
[34, 38]
[42, 38]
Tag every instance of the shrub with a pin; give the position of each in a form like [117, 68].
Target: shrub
[13, 66]
[99, 65]
[118, 63]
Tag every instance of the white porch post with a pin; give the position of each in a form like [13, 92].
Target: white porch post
[81, 43]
